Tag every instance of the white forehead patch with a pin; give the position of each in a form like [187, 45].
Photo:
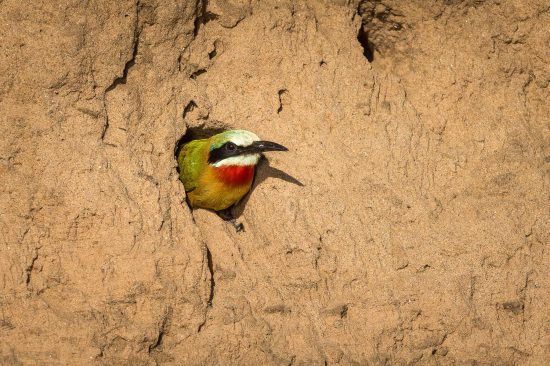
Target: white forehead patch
[243, 138]
[238, 160]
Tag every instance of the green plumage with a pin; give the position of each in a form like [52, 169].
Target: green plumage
[191, 160]
[209, 184]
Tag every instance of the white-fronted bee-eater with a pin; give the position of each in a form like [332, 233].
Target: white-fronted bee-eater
[218, 171]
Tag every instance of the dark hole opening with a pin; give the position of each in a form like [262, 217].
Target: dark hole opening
[368, 47]
[203, 16]
[197, 73]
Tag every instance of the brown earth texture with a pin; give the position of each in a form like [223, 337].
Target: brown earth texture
[407, 225]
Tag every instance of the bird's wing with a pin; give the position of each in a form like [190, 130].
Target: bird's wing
[191, 163]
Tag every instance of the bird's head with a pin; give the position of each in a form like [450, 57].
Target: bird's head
[238, 147]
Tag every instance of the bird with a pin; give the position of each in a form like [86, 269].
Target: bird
[217, 172]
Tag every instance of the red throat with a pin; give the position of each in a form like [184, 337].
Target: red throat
[236, 174]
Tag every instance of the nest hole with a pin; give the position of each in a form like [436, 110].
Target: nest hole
[368, 47]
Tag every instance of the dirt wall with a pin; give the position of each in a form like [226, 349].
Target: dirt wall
[408, 223]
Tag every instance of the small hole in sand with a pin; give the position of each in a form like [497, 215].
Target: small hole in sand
[368, 47]
[197, 73]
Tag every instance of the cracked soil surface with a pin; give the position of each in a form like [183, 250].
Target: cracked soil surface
[408, 223]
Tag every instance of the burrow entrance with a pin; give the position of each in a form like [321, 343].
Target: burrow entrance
[368, 47]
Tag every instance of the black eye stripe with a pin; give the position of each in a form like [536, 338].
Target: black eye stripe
[224, 152]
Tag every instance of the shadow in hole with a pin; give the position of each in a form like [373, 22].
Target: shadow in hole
[368, 47]
[262, 172]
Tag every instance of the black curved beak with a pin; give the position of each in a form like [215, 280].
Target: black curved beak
[263, 146]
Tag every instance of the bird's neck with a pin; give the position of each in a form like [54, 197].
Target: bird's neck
[235, 175]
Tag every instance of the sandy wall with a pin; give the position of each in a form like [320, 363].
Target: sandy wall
[408, 224]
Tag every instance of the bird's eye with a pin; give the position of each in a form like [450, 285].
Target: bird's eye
[230, 146]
